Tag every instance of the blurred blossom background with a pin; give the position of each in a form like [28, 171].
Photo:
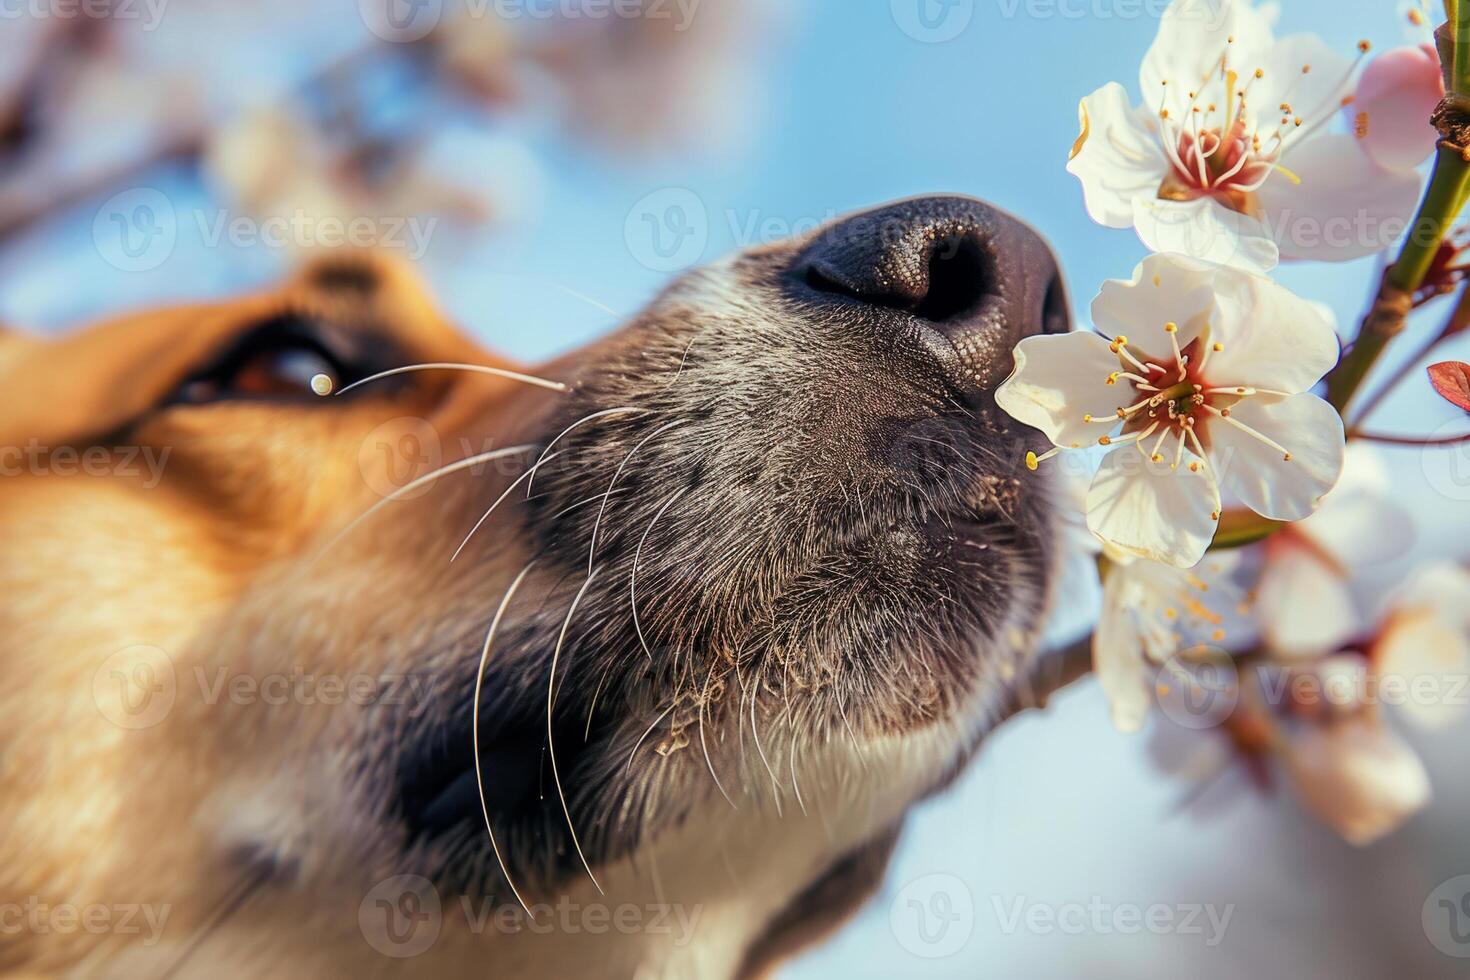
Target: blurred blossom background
[549, 164]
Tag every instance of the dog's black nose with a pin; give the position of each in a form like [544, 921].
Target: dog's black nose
[965, 278]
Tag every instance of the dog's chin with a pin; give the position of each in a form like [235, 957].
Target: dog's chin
[893, 698]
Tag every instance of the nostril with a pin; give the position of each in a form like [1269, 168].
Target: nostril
[959, 278]
[823, 283]
[943, 279]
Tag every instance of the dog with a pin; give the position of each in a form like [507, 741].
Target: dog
[627, 665]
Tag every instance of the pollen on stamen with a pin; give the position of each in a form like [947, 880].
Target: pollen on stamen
[1194, 467]
[1171, 327]
[321, 384]
[1104, 440]
[1218, 347]
[1365, 46]
[1287, 457]
[1033, 460]
[1214, 515]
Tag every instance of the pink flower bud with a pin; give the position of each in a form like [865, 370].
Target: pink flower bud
[1390, 114]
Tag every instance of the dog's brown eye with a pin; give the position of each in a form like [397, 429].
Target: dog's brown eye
[286, 358]
[268, 374]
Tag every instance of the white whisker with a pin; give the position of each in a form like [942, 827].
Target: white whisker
[550, 739]
[644, 736]
[421, 482]
[704, 745]
[450, 366]
[617, 475]
[583, 421]
[475, 730]
[633, 575]
[500, 500]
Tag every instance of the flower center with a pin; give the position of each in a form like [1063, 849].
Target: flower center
[1175, 398]
[1172, 399]
[1219, 147]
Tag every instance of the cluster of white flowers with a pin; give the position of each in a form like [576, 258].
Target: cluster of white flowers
[1198, 380]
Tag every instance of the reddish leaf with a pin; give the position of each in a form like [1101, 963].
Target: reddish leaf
[1452, 380]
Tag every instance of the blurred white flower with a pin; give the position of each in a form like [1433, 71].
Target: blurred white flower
[1424, 645]
[1305, 605]
[1204, 385]
[1150, 614]
[1230, 158]
[1357, 776]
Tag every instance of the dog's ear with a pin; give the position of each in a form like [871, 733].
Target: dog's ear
[83, 385]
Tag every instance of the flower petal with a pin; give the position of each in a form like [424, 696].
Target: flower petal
[1059, 379]
[1443, 587]
[1304, 605]
[1390, 113]
[1117, 658]
[1205, 229]
[1427, 659]
[1118, 156]
[1308, 427]
[1164, 289]
[1271, 337]
[1358, 777]
[1193, 34]
[1345, 207]
[1152, 511]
